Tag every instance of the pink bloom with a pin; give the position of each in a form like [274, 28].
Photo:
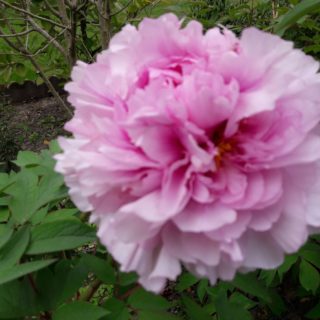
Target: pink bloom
[195, 149]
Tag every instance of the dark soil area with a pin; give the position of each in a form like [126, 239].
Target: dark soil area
[29, 126]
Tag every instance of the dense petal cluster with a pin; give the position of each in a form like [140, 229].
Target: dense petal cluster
[195, 149]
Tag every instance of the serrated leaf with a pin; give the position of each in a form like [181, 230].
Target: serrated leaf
[309, 276]
[79, 310]
[59, 235]
[20, 270]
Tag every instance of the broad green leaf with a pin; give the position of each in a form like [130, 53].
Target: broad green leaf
[4, 214]
[59, 235]
[186, 280]
[13, 250]
[143, 300]
[39, 215]
[127, 278]
[49, 188]
[312, 256]
[79, 310]
[27, 158]
[240, 299]
[118, 310]
[57, 285]
[4, 181]
[5, 234]
[292, 16]
[309, 276]
[202, 289]
[250, 284]
[156, 315]
[20, 270]
[24, 192]
[227, 310]
[61, 214]
[314, 313]
[193, 310]
[18, 300]
[287, 264]
[101, 268]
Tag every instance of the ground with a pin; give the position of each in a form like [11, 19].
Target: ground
[29, 126]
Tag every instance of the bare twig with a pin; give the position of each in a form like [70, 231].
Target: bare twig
[18, 34]
[31, 14]
[52, 9]
[122, 9]
[20, 48]
[91, 290]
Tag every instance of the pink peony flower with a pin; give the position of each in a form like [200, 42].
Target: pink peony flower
[195, 149]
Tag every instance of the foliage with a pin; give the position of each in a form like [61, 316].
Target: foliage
[53, 267]
[301, 24]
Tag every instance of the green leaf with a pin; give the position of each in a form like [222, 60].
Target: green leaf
[20, 270]
[59, 235]
[24, 194]
[79, 310]
[101, 268]
[250, 284]
[27, 158]
[287, 264]
[202, 289]
[312, 256]
[5, 234]
[309, 276]
[227, 310]
[57, 285]
[240, 299]
[314, 313]
[18, 300]
[4, 181]
[4, 215]
[297, 12]
[13, 250]
[156, 315]
[194, 311]
[118, 310]
[185, 281]
[143, 300]
[60, 214]
[127, 278]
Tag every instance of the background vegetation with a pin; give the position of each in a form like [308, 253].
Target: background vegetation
[51, 263]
